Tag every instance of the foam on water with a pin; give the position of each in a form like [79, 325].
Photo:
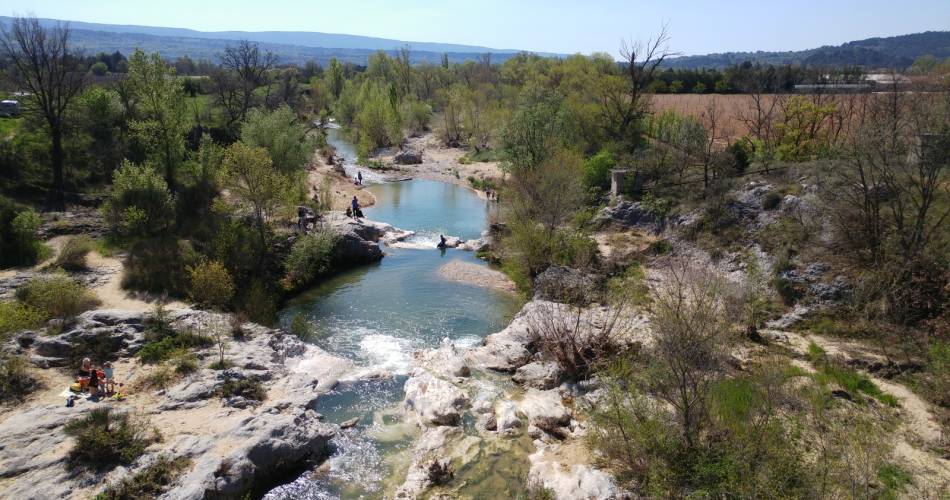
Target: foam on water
[388, 353]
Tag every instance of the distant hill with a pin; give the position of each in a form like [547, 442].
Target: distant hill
[897, 52]
[290, 46]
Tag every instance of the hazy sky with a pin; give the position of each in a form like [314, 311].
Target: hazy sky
[564, 26]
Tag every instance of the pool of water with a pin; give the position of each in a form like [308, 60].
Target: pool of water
[377, 316]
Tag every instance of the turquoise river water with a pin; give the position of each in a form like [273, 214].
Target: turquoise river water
[378, 315]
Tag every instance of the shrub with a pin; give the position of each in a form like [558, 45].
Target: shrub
[15, 382]
[167, 347]
[597, 170]
[104, 438]
[56, 296]
[140, 203]
[185, 362]
[160, 378]
[72, 257]
[246, 388]
[301, 328]
[149, 483]
[771, 200]
[310, 256]
[211, 284]
[260, 303]
[19, 239]
[16, 316]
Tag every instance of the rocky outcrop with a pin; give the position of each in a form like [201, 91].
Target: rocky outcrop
[570, 480]
[632, 214]
[234, 444]
[408, 157]
[118, 332]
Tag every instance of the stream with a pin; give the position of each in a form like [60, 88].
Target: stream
[378, 315]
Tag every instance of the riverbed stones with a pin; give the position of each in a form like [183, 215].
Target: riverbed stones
[434, 401]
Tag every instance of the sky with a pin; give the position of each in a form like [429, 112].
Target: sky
[562, 26]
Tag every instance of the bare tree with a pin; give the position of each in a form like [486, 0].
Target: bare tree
[622, 98]
[244, 68]
[43, 64]
[691, 331]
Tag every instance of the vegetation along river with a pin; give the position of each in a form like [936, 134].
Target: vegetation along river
[378, 315]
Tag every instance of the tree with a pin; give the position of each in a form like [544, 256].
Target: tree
[160, 100]
[254, 181]
[690, 324]
[244, 68]
[335, 78]
[42, 63]
[287, 141]
[622, 98]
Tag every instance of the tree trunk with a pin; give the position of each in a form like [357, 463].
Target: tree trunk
[57, 199]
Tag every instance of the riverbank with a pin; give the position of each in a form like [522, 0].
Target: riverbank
[441, 163]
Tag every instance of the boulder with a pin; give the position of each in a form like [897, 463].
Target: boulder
[571, 480]
[506, 416]
[408, 157]
[632, 214]
[539, 375]
[545, 410]
[435, 401]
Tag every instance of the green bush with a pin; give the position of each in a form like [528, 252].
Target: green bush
[72, 257]
[148, 483]
[140, 203]
[310, 256]
[104, 438]
[159, 266]
[15, 382]
[16, 316]
[597, 170]
[301, 327]
[57, 296]
[259, 303]
[211, 284]
[167, 347]
[246, 388]
[19, 239]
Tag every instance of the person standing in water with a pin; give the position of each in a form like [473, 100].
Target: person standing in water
[441, 241]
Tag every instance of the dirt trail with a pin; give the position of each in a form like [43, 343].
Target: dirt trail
[919, 429]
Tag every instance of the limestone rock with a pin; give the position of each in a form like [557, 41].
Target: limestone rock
[545, 410]
[540, 375]
[571, 481]
[435, 401]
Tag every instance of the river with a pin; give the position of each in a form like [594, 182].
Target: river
[378, 315]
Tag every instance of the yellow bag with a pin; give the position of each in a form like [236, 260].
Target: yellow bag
[76, 387]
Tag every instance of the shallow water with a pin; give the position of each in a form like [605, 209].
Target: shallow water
[378, 315]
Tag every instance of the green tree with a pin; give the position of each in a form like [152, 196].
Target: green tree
[254, 181]
[163, 122]
[140, 203]
[44, 65]
[286, 140]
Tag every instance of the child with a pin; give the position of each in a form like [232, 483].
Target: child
[107, 383]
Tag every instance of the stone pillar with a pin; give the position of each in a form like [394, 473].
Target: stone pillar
[617, 178]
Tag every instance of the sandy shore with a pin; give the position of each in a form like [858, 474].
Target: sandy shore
[473, 274]
[342, 188]
[440, 163]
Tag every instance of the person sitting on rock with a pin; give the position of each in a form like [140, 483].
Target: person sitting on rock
[88, 377]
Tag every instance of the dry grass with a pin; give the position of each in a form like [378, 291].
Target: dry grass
[732, 107]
